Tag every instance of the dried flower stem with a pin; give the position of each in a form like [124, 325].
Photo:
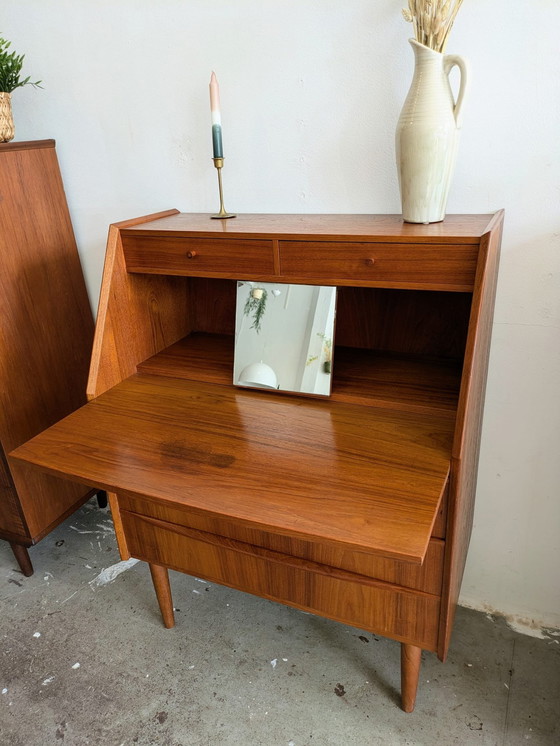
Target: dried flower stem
[432, 21]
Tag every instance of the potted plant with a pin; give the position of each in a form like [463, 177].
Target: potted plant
[10, 79]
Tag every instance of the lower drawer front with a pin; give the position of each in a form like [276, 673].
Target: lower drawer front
[427, 577]
[381, 608]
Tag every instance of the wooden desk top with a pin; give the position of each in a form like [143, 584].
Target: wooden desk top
[362, 478]
[458, 229]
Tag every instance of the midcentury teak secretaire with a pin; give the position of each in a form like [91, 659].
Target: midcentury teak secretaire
[357, 507]
[46, 335]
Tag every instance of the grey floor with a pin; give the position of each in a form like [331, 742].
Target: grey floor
[86, 660]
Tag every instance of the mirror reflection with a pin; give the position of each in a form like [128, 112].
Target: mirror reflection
[284, 337]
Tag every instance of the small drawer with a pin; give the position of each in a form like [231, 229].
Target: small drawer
[195, 257]
[426, 266]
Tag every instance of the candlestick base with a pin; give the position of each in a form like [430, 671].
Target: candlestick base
[219, 164]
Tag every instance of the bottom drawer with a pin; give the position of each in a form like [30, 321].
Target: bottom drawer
[384, 609]
[426, 577]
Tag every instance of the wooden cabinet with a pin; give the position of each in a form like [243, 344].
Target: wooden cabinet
[357, 507]
[46, 333]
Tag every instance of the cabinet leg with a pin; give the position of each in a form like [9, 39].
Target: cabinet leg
[410, 671]
[23, 559]
[102, 499]
[160, 579]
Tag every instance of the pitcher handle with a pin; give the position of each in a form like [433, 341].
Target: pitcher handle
[449, 62]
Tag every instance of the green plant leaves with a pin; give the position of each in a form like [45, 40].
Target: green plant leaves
[10, 69]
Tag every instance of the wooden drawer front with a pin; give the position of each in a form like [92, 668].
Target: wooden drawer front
[427, 577]
[236, 258]
[430, 266]
[352, 599]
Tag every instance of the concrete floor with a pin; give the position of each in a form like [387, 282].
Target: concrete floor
[85, 660]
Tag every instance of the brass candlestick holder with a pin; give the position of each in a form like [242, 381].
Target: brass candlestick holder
[219, 163]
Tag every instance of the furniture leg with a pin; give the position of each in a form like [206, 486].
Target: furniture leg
[102, 499]
[22, 556]
[160, 579]
[410, 670]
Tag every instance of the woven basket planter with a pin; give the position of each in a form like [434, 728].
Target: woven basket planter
[7, 130]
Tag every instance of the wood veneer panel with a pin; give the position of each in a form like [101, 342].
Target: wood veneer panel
[11, 518]
[213, 305]
[357, 477]
[410, 383]
[378, 607]
[429, 266]
[454, 229]
[153, 316]
[196, 256]
[425, 578]
[416, 322]
[198, 357]
[46, 324]
[466, 446]
[405, 382]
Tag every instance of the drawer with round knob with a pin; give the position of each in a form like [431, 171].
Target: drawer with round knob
[196, 256]
[424, 266]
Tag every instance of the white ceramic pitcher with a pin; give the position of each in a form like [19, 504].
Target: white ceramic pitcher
[427, 135]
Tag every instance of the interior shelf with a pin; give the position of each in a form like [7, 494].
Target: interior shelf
[366, 377]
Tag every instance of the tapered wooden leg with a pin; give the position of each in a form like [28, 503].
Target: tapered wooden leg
[410, 671]
[160, 579]
[23, 559]
[102, 499]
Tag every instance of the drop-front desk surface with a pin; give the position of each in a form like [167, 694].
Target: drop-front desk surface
[357, 507]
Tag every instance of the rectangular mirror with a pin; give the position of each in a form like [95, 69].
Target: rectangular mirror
[284, 337]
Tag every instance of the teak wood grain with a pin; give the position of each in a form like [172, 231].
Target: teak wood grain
[153, 317]
[358, 507]
[427, 577]
[466, 445]
[467, 229]
[46, 335]
[377, 607]
[300, 468]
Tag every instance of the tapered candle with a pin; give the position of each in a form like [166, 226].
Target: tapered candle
[216, 117]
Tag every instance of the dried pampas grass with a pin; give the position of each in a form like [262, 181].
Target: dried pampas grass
[432, 20]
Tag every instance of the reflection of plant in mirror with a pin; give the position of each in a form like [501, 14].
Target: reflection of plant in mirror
[326, 353]
[256, 305]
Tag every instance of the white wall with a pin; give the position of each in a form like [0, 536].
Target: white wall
[311, 90]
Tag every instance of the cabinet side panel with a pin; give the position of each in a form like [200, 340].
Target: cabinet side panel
[11, 520]
[46, 500]
[138, 316]
[466, 447]
[46, 328]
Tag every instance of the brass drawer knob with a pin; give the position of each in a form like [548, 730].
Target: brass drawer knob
[191, 254]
